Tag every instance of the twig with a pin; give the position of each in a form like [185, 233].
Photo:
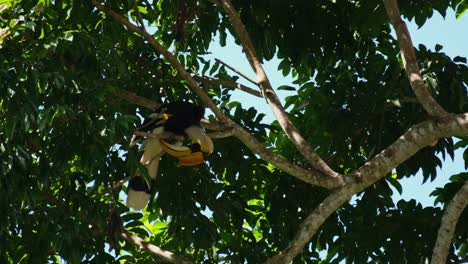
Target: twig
[272, 99]
[238, 72]
[136, 99]
[222, 134]
[146, 246]
[212, 124]
[3, 7]
[118, 184]
[410, 63]
[4, 32]
[139, 17]
[229, 84]
[448, 224]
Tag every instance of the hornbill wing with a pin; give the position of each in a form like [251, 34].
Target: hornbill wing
[198, 136]
[151, 146]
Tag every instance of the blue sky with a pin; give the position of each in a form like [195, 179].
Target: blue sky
[450, 32]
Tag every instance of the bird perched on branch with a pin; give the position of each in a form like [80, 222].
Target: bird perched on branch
[165, 132]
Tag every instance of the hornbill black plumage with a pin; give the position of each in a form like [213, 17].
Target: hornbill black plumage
[166, 131]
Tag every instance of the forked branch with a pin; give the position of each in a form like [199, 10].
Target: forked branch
[270, 95]
[410, 63]
[416, 138]
[164, 254]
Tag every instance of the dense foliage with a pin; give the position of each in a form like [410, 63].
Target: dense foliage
[64, 132]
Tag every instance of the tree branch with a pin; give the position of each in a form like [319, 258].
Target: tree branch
[270, 95]
[312, 176]
[4, 32]
[128, 236]
[136, 99]
[221, 134]
[139, 17]
[229, 84]
[448, 224]
[238, 72]
[146, 246]
[410, 63]
[416, 138]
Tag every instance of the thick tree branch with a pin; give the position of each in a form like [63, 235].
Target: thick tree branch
[307, 175]
[312, 176]
[230, 84]
[448, 224]
[164, 254]
[410, 63]
[416, 138]
[272, 99]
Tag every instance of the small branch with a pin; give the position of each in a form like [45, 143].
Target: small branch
[212, 125]
[272, 99]
[238, 72]
[222, 134]
[448, 224]
[118, 184]
[410, 62]
[146, 246]
[139, 17]
[3, 7]
[136, 99]
[407, 145]
[229, 84]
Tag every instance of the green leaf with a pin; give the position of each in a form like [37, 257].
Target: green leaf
[131, 217]
[459, 59]
[157, 227]
[286, 88]
[465, 158]
[395, 183]
[461, 9]
[214, 68]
